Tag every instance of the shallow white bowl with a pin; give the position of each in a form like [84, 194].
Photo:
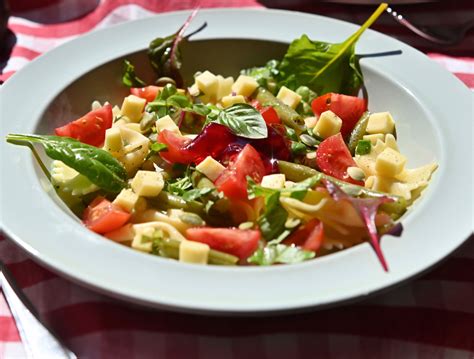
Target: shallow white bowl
[432, 108]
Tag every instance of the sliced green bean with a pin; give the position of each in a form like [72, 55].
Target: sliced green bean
[288, 116]
[358, 132]
[170, 249]
[167, 200]
[296, 172]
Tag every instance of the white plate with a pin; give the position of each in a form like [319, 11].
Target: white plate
[433, 111]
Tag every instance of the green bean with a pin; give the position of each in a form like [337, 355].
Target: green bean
[170, 249]
[288, 116]
[296, 172]
[358, 132]
[167, 200]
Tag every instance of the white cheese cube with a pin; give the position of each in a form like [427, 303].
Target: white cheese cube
[210, 168]
[374, 138]
[193, 252]
[389, 163]
[289, 184]
[126, 199]
[193, 90]
[134, 127]
[244, 85]
[225, 86]
[288, 97]
[207, 83]
[228, 101]
[147, 183]
[167, 123]
[328, 124]
[276, 181]
[310, 122]
[113, 140]
[132, 107]
[380, 122]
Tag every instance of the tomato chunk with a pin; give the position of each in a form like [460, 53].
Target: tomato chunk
[90, 128]
[238, 242]
[268, 113]
[233, 181]
[102, 216]
[309, 237]
[348, 108]
[148, 92]
[333, 158]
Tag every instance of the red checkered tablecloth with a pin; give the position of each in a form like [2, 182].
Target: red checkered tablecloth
[430, 317]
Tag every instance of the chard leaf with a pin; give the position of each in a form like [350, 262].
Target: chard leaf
[98, 165]
[367, 209]
[279, 253]
[325, 67]
[129, 77]
[244, 121]
[165, 53]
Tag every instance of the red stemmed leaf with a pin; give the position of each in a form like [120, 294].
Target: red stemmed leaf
[367, 209]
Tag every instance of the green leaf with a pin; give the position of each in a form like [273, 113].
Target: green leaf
[99, 166]
[363, 147]
[196, 193]
[272, 221]
[180, 186]
[244, 121]
[265, 75]
[155, 148]
[279, 253]
[129, 78]
[324, 67]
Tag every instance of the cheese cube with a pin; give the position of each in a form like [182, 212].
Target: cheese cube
[288, 97]
[310, 122]
[193, 90]
[134, 126]
[225, 86]
[244, 85]
[276, 181]
[113, 140]
[228, 101]
[389, 163]
[167, 123]
[193, 252]
[132, 107]
[207, 83]
[380, 122]
[374, 138]
[126, 199]
[210, 168]
[147, 183]
[328, 124]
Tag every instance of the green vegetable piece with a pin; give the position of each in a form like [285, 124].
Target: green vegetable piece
[197, 193]
[358, 132]
[322, 66]
[99, 166]
[288, 116]
[298, 148]
[156, 148]
[297, 172]
[265, 75]
[363, 147]
[129, 77]
[244, 121]
[192, 219]
[166, 200]
[280, 253]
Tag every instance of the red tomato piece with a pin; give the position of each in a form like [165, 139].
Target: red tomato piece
[268, 113]
[238, 242]
[233, 181]
[348, 108]
[90, 128]
[102, 216]
[148, 92]
[333, 158]
[175, 153]
[309, 237]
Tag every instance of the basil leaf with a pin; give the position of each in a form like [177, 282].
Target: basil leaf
[324, 67]
[244, 121]
[279, 253]
[129, 78]
[99, 166]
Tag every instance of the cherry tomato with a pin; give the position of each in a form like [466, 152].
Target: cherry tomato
[148, 92]
[309, 237]
[333, 158]
[348, 108]
[233, 181]
[90, 128]
[102, 216]
[238, 242]
[268, 113]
